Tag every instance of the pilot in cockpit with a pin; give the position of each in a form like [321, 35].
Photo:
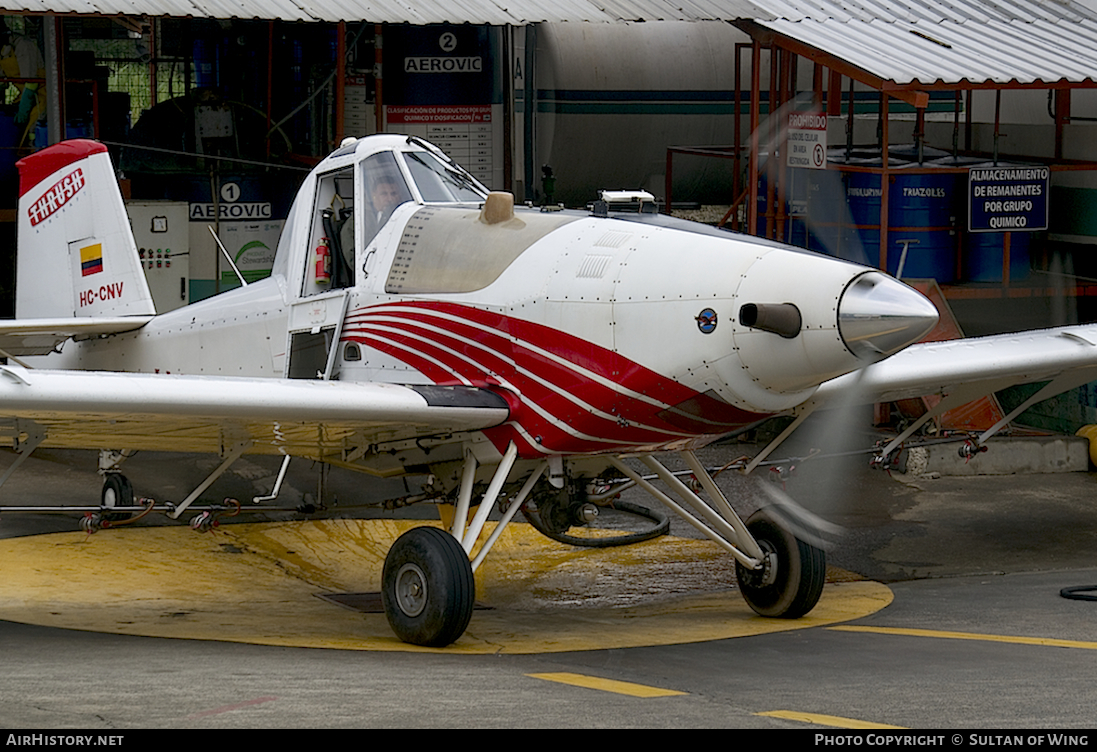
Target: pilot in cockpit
[386, 195]
[385, 190]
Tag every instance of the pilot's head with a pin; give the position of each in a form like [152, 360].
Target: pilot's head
[386, 193]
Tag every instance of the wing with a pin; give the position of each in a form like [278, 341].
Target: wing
[972, 368]
[42, 336]
[319, 419]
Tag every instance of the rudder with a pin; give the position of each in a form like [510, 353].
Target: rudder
[76, 252]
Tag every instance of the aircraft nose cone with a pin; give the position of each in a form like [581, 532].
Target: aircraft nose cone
[878, 315]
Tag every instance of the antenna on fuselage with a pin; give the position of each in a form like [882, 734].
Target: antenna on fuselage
[239, 276]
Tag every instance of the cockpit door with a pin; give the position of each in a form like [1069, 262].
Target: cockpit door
[315, 325]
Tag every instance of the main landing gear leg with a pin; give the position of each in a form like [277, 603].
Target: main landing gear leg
[779, 575]
[427, 585]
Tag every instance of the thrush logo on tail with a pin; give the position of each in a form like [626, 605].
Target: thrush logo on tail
[56, 197]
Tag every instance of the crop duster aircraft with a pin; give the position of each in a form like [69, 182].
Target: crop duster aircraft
[415, 323]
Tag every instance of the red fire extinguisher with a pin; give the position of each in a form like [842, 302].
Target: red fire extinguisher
[323, 261]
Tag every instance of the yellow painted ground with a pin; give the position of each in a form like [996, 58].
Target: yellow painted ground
[256, 583]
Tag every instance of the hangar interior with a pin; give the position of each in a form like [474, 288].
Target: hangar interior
[214, 121]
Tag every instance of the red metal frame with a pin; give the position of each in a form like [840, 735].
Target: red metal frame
[783, 57]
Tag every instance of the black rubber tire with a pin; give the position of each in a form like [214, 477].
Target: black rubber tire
[1080, 593]
[117, 492]
[662, 527]
[427, 587]
[801, 572]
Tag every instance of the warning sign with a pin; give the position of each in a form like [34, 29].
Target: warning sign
[1007, 199]
[807, 140]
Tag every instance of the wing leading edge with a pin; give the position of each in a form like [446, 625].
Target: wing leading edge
[975, 366]
[94, 410]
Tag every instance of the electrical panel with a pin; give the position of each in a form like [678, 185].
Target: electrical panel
[162, 232]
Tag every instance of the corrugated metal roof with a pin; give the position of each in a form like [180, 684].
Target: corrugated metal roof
[500, 12]
[982, 44]
[927, 11]
[494, 12]
[905, 41]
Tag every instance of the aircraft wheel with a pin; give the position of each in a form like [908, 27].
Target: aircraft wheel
[427, 587]
[117, 492]
[791, 581]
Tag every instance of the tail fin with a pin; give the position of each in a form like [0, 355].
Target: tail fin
[77, 256]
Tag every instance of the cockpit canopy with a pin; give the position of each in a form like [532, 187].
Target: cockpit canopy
[355, 191]
[426, 174]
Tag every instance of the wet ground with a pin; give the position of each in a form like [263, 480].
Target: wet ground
[976, 636]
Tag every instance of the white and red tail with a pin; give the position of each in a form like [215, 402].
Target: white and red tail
[77, 256]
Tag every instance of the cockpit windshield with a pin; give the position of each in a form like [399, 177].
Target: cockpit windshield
[440, 182]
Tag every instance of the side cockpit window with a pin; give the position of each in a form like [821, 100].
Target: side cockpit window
[384, 189]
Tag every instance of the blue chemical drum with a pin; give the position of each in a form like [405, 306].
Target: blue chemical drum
[814, 208]
[983, 260]
[922, 213]
[793, 231]
[821, 210]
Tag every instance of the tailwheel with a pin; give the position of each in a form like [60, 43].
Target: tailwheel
[117, 492]
[427, 587]
[790, 581]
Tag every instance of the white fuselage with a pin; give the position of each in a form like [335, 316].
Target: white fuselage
[617, 301]
[604, 333]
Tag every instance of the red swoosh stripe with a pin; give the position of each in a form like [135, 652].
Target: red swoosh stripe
[574, 396]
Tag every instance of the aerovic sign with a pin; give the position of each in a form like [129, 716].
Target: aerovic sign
[1007, 199]
[807, 140]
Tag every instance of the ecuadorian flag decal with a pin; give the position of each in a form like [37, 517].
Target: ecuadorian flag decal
[91, 259]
